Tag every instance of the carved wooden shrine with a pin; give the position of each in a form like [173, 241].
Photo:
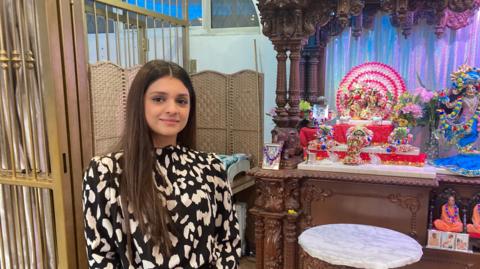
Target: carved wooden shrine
[289, 201]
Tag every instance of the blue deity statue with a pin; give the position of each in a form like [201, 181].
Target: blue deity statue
[459, 121]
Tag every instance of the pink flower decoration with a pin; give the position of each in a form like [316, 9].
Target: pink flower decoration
[425, 95]
[414, 109]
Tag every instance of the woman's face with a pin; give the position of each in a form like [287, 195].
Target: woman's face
[167, 107]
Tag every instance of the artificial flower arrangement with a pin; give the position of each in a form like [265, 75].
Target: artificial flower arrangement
[305, 110]
[365, 102]
[417, 108]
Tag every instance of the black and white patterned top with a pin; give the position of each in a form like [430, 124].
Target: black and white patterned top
[198, 198]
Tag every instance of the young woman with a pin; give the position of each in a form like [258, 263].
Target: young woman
[156, 202]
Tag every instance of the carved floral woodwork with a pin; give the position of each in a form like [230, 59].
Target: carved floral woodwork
[412, 204]
[273, 244]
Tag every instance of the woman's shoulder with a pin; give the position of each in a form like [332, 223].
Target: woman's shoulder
[103, 168]
[206, 158]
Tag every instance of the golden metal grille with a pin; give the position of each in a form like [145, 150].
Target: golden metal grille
[27, 188]
[130, 35]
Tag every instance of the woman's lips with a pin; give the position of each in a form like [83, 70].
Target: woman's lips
[169, 121]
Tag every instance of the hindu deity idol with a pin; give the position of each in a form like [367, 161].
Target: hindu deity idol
[459, 122]
[358, 137]
[460, 125]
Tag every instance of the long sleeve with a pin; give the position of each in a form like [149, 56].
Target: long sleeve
[97, 205]
[226, 223]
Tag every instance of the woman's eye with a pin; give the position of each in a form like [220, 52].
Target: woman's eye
[182, 101]
[158, 99]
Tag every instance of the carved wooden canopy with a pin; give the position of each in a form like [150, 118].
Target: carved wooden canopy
[285, 20]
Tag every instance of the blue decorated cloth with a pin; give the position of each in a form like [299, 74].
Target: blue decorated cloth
[470, 138]
[463, 164]
[228, 160]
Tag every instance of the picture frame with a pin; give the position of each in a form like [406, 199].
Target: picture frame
[461, 242]
[272, 153]
[434, 239]
[448, 240]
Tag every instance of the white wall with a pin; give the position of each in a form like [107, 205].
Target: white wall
[230, 52]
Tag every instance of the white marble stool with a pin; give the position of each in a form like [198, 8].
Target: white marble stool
[360, 246]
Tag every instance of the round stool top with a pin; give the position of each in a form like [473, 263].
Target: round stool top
[360, 246]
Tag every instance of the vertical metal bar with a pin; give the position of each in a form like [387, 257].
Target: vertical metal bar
[128, 37]
[6, 63]
[170, 37]
[139, 47]
[17, 64]
[185, 38]
[41, 218]
[23, 42]
[155, 36]
[17, 61]
[11, 223]
[21, 226]
[17, 225]
[97, 47]
[40, 88]
[163, 40]
[30, 223]
[4, 255]
[170, 8]
[117, 37]
[125, 40]
[177, 45]
[107, 22]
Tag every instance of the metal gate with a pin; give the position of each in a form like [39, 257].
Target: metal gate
[32, 204]
[132, 34]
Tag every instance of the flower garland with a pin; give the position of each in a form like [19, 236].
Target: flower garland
[269, 158]
[459, 130]
[456, 109]
[455, 214]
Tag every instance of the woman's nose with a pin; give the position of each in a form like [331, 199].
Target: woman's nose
[171, 107]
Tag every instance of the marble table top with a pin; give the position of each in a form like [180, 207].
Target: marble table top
[360, 246]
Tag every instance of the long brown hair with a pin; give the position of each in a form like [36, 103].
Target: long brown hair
[137, 186]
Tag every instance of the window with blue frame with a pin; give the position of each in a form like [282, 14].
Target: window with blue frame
[167, 7]
[233, 13]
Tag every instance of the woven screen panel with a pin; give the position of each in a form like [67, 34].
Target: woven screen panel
[211, 91]
[212, 140]
[107, 86]
[246, 103]
[130, 74]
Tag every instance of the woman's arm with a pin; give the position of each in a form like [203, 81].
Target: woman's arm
[99, 233]
[228, 246]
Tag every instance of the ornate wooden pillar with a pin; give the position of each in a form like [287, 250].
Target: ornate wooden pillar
[312, 76]
[303, 77]
[288, 24]
[294, 85]
[259, 236]
[281, 119]
[322, 40]
[292, 206]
